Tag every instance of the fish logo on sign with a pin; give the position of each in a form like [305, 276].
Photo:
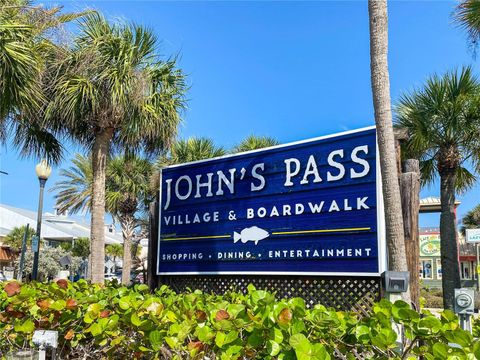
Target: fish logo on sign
[253, 233]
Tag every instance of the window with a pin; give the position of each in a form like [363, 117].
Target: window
[439, 269]
[466, 270]
[426, 269]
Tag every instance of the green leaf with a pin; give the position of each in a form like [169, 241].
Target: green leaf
[440, 350]
[449, 315]
[298, 326]
[235, 309]
[172, 342]
[258, 295]
[276, 335]
[58, 305]
[94, 309]
[362, 332]
[205, 334]
[26, 327]
[431, 323]
[231, 337]
[287, 355]
[320, 352]
[273, 348]
[170, 315]
[220, 339]
[95, 329]
[124, 303]
[234, 349]
[407, 314]
[384, 339]
[156, 339]
[135, 320]
[296, 340]
[460, 337]
[255, 338]
[142, 288]
[301, 345]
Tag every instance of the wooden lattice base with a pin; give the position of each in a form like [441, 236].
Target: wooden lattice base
[342, 293]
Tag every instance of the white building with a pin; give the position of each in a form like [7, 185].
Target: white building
[55, 227]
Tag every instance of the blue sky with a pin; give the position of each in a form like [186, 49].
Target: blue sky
[291, 70]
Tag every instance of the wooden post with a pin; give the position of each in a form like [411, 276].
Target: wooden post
[400, 135]
[152, 278]
[410, 192]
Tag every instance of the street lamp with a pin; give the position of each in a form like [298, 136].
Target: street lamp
[43, 171]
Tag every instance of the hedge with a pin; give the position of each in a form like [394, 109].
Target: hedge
[116, 322]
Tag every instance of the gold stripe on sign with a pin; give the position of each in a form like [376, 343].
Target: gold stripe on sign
[319, 231]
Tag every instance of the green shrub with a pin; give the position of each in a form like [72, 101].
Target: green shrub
[433, 298]
[116, 322]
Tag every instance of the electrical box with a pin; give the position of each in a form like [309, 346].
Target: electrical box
[45, 338]
[395, 281]
[464, 301]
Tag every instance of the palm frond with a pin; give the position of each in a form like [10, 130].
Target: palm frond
[74, 191]
[443, 123]
[467, 16]
[254, 142]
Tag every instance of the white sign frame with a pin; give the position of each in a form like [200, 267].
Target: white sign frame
[472, 233]
[381, 231]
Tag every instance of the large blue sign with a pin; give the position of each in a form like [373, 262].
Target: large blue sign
[309, 207]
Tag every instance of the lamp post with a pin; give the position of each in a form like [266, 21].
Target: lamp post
[43, 171]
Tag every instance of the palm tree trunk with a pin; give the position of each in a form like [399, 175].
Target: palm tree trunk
[448, 237]
[128, 226]
[378, 16]
[100, 152]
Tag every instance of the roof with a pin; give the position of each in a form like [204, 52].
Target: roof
[7, 254]
[433, 204]
[60, 228]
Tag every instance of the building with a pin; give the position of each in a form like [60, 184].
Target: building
[430, 267]
[56, 228]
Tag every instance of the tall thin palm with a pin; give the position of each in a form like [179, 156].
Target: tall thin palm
[443, 122]
[112, 92]
[127, 192]
[254, 142]
[380, 79]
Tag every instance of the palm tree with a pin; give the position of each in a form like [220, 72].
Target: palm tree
[14, 238]
[74, 191]
[471, 220]
[191, 149]
[114, 250]
[79, 248]
[112, 92]
[184, 151]
[26, 48]
[127, 192]
[467, 15]
[377, 10]
[443, 123]
[253, 142]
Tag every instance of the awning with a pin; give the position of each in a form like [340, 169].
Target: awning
[468, 258]
[7, 254]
